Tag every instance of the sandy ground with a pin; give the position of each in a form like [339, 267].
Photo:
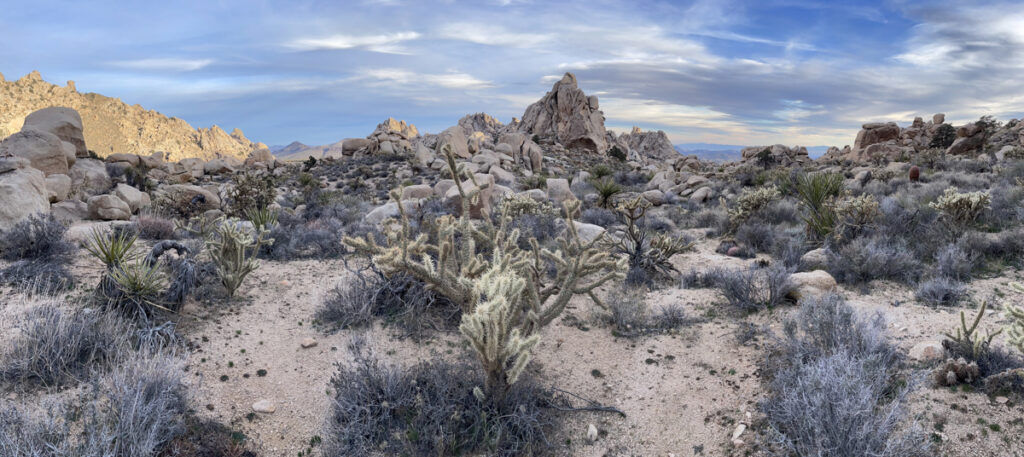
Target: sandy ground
[683, 393]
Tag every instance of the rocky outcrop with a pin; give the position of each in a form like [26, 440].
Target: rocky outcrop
[775, 155]
[567, 115]
[481, 122]
[969, 138]
[108, 125]
[43, 150]
[876, 132]
[649, 146]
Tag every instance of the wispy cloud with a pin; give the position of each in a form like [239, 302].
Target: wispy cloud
[490, 34]
[387, 44]
[406, 78]
[163, 64]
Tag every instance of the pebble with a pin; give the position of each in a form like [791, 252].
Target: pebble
[592, 433]
[308, 343]
[264, 406]
[1002, 400]
[739, 431]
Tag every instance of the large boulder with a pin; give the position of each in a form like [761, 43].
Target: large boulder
[876, 132]
[811, 283]
[63, 122]
[559, 191]
[22, 192]
[454, 138]
[108, 208]
[189, 196]
[58, 187]
[90, 176]
[350, 145]
[44, 151]
[135, 198]
[568, 115]
[70, 211]
[482, 205]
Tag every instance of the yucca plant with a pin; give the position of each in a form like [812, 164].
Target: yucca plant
[606, 189]
[114, 249]
[233, 250]
[817, 192]
[261, 218]
[140, 285]
[600, 170]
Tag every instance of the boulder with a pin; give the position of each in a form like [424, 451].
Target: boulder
[876, 132]
[588, 232]
[135, 198]
[70, 211]
[559, 191]
[108, 208]
[536, 194]
[58, 187]
[64, 123]
[501, 176]
[938, 118]
[811, 283]
[22, 192]
[130, 159]
[350, 145]
[389, 210]
[417, 191]
[90, 177]
[482, 206]
[700, 195]
[218, 166]
[654, 197]
[816, 259]
[454, 138]
[195, 167]
[424, 156]
[927, 351]
[44, 151]
[966, 144]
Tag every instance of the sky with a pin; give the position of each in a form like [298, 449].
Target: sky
[795, 72]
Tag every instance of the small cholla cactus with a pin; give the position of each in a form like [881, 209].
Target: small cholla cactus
[1016, 329]
[750, 201]
[915, 174]
[854, 214]
[956, 372]
[961, 210]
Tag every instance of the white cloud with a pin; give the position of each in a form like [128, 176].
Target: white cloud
[163, 64]
[387, 44]
[411, 79]
[492, 35]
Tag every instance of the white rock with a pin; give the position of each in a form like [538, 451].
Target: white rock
[264, 406]
[592, 433]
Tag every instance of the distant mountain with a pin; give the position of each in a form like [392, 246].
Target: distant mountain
[730, 152]
[112, 126]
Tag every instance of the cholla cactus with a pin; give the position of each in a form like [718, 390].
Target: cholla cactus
[853, 214]
[233, 250]
[749, 202]
[961, 210]
[515, 205]
[504, 292]
[493, 332]
[966, 341]
[1016, 329]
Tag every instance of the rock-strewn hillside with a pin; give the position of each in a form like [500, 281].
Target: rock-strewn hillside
[112, 126]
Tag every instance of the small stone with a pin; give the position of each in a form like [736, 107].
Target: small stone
[738, 443]
[264, 406]
[739, 431]
[591, 433]
[927, 351]
[1002, 400]
[308, 343]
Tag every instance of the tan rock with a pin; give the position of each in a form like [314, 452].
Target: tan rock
[811, 283]
[64, 123]
[22, 193]
[58, 187]
[43, 150]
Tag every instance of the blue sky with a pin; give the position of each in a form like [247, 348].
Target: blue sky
[759, 72]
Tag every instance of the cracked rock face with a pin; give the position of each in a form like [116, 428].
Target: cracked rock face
[568, 115]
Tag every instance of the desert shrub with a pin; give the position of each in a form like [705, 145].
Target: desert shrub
[632, 178]
[38, 275]
[617, 153]
[715, 219]
[868, 258]
[697, 279]
[854, 215]
[954, 262]
[779, 212]
[1007, 245]
[749, 202]
[833, 390]
[134, 411]
[789, 246]
[537, 181]
[600, 170]
[941, 291]
[758, 236]
[399, 299]
[543, 227]
[943, 138]
[629, 315]
[1006, 208]
[233, 250]
[155, 227]
[40, 236]
[250, 190]
[599, 216]
[428, 409]
[57, 346]
[649, 256]
[749, 290]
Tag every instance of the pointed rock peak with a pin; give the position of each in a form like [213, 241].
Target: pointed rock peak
[568, 79]
[71, 86]
[2, 78]
[635, 131]
[34, 76]
[217, 130]
[237, 134]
